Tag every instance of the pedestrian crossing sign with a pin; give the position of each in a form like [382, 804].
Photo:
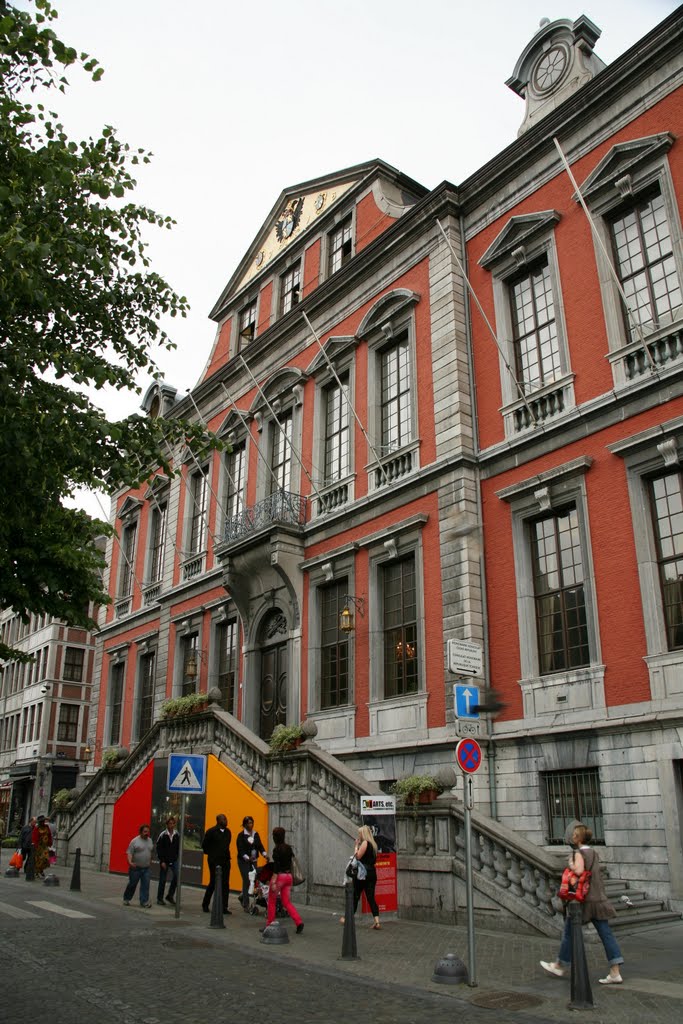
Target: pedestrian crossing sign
[186, 773]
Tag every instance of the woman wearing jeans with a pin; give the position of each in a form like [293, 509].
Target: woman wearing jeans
[281, 880]
[596, 909]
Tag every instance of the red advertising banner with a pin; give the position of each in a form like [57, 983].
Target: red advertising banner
[379, 812]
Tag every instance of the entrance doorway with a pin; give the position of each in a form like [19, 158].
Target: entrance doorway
[274, 665]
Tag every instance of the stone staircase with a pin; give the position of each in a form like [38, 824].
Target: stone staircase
[317, 798]
[635, 910]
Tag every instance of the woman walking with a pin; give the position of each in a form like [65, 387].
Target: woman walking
[596, 909]
[281, 880]
[365, 852]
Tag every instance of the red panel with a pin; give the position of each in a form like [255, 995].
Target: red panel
[132, 809]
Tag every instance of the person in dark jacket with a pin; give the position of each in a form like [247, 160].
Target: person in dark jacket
[168, 851]
[25, 840]
[249, 847]
[216, 846]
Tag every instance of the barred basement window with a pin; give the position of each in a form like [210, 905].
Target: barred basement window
[572, 796]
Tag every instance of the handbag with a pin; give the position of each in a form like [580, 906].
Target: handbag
[574, 887]
[352, 868]
[298, 877]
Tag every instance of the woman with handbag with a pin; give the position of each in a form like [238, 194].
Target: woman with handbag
[249, 848]
[596, 908]
[365, 874]
[281, 880]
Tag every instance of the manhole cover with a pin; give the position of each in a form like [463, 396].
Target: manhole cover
[505, 1000]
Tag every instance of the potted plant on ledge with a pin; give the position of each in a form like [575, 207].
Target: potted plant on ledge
[417, 789]
[286, 737]
[180, 707]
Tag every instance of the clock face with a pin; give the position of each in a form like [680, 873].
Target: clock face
[550, 68]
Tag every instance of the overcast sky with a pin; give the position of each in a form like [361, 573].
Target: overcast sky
[237, 101]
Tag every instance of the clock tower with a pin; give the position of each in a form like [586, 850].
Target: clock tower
[558, 61]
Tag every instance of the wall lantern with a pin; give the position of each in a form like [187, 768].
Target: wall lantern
[346, 619]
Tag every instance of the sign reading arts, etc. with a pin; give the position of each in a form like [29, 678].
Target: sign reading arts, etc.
[465, 658]
[186, 773]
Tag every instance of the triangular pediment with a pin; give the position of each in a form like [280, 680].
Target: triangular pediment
[233, 426]
[334, 349]
[157, 485]
[517, 232]
[297, 211]
[129, 508]
[624, 159]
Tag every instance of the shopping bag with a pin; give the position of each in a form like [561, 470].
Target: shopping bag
[16, 860]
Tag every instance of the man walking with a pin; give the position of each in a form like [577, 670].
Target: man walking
[139, 856]
[216, 846]
[168, 851]
[26, 840]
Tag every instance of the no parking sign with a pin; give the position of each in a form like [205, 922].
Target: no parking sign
[468, 756]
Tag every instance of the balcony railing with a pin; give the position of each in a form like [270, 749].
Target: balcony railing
[151, 592]
[664, 352]
[122, 606]
[279, 507]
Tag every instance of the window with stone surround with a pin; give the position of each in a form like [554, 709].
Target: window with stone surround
[73, 664]
[340, 246]
[227, 636]
[127, 570]
[652, 459]
[247, 325]
[557, 565]
[645, 263]
[145, 702]
[67, 726]
[157, 542]
[334, 646]
[572, 796]
[536, 380]
[639, 246]
[197, 512]
[389, 329]
[189, 663]
[290, 288]
[281, 453]
[337, 455]
[116, 684]
[235, 462]
[534, 328]
[666, 495]
[399, 626]
[555, 583]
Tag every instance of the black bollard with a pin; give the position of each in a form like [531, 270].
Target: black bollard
[76, 873]
[349, 950]
[217, 905]
[581, 995]
[30, 873]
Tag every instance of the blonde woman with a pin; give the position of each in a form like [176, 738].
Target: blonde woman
[365, 852]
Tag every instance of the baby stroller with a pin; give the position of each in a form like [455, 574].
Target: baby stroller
[259, 881]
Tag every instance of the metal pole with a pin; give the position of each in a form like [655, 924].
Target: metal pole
[179, 865]
[471, 957]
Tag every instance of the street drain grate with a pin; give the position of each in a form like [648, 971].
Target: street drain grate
[506, 1000]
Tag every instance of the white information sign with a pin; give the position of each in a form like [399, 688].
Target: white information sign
[465, 658]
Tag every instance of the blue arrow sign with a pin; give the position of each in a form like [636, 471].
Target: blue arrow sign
[186, 773]
[466, 698]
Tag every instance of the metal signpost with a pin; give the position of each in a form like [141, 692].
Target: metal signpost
[468, 756]
[186, 774]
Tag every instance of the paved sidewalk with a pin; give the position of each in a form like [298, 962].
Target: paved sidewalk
[405, 952]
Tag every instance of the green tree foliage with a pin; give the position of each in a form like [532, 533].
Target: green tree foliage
[80, 307]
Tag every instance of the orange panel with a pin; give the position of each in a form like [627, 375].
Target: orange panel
[227, 794]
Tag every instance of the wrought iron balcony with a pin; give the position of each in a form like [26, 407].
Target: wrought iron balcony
[279, 507]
